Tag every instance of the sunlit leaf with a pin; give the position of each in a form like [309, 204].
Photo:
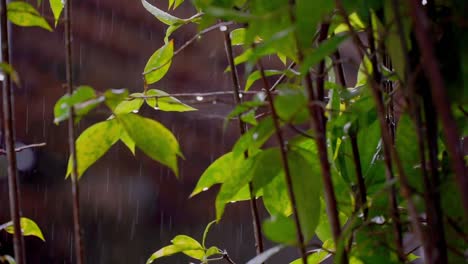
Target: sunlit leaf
[154, 139]
[162, 16]
[93, 143]
[25, 15]
[261, 258]
[355, 21]
[57, 8]
[159, 63]
[189, 246]
[165, 102]
[28, 228]
[8, 69]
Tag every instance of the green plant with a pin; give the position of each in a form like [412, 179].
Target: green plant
[356, 172]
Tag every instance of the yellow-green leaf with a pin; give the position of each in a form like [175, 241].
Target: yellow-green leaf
[165, 102]
[25, 15]
[129, 106]
[128, 141]
[154, 139]
[28, 228]
[162, 16]
[57, 8]
[93, 143]
[159, 63]
[8, 69]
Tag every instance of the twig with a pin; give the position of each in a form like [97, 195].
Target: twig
[186, 44]
[440, 100]
[227, 258]
[243, 129]
[13, 182]
[18, 149]
[360, 178]
[71, 136]
[282, 77]
[284, 161]
[207, 94]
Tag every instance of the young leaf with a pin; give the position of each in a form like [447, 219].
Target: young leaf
[162, 16]
[325, 49]
[28, 228]
[212, 251]
[93, 143]
[237, 36]
[165, 102]
[8, 69]
[159, 63]
[205, 233]
[261, 258]
[129, 106]
[57, 7]
[180, 243]
[154, 139]
[84, 99]
[25, 15]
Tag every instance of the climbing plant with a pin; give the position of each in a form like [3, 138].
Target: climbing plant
[359, 166]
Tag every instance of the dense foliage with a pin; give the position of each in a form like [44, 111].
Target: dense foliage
[358, 167]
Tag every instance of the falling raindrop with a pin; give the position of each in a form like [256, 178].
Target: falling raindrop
[240, 95]
[255, 136]
[156, 108]
[135, 111]
[199, 98]
[205, 189]
[223, 28]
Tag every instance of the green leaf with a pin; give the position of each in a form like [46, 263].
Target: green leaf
[25, 15]
[315, 258]
[237, 36]
[8, 69]
[93, 143]
[255, 137]
[254, 76]
[291, 104]
[171, 29]
[212, 251]
[131, 105]
[153, 139]
[28, 228]
[355, 21]
[57, 8]
[244, 107]
[275, 194]
[128, 141]
[205, 233]
[218, 172]
[162, 16]
[280, 229]
[159, 63]
[83, 99]
[261, 258]
[325, 49]
[164, 252]
[309, 14]
[189, 246]
[165, 102]
[177, 3]
[114, 97]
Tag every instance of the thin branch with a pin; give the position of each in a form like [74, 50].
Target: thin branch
[440, 100]
[284, 161]
[13, 182]
[362, 193]
[188, 43]
[243, 129]
[207, 94]
[227, 258]
[71, 136]
[282, 77]
[389, 151]
[18, 149]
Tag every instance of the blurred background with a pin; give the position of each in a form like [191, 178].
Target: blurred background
[130, 206]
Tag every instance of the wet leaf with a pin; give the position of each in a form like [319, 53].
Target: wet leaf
[28, 227]
[180, 243]
[164, 252]
[165, 102]
[83, 99]
[57, 8]
[162, 16]
[131, 105]
[325, 49]
[154, 139]
[255, 137]
[128, 141]
[212, 251]
[25, 15]
[114, 97]
[159, 63]
[93, 143]
[254, 76]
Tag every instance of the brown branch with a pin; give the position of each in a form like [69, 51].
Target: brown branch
[284, 161]
[71, 136]
[243, 129]
[19, 149]
[362, 193]
[13, 182]
[207, 94]
[440, 100]
[389, 152]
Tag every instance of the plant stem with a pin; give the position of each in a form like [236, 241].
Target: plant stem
[339, 72]
[360, 179]
[71, 136]
[243, 129]
[13, 181]
[439, 98]
[284, 161]
[377, 93]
